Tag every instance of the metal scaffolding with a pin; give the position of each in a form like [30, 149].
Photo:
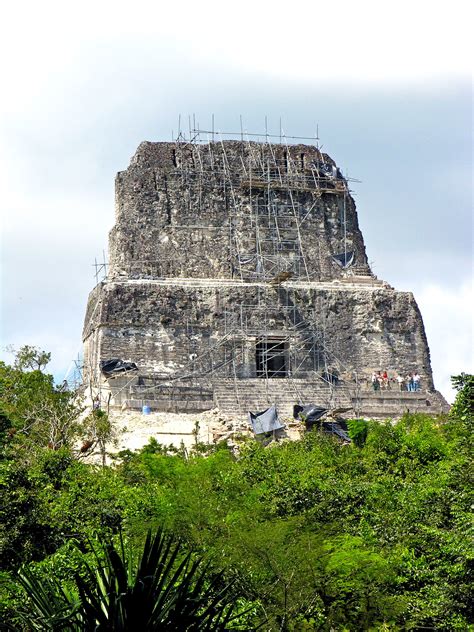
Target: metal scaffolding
[265, 187]
[277, 197]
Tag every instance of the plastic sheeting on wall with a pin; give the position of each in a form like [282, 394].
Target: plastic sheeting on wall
[115, 366]
[265, 421]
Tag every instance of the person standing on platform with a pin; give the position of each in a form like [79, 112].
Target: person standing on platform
[416, 381]
[375, 382]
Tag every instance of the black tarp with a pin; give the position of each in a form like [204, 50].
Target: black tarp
[312, 415]
[115, 366]
[309, 414]
[344, 259]
[265, 421]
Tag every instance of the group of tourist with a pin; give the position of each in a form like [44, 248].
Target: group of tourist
[381, 380]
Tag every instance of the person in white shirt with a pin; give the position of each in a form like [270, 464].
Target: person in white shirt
[416, 382]
[375, 381]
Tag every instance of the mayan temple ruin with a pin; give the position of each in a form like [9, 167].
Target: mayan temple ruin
[238, 278]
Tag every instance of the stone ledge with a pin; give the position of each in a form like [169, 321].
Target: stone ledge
[340, 284]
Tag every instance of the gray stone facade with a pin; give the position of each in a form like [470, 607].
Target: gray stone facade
[242, 264]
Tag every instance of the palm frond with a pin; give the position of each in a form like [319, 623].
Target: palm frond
[166, 588]
[50, 604]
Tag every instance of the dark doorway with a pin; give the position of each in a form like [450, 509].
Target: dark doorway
[271, 358]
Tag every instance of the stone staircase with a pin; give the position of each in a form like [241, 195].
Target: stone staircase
[393, 404]
[237, 397]
[256, 394]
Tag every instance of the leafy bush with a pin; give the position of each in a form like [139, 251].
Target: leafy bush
[161, 589]
[358, 429]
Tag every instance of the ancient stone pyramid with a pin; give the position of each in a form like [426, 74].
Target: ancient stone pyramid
[237, 278]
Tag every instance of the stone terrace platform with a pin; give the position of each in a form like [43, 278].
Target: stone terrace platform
[237, 397]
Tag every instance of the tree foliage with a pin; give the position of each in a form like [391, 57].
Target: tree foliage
[34, 411]
[161, 589]
[30, 357]
[463, 407]
[315, 535]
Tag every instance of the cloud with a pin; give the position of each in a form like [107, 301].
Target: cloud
[318, 42]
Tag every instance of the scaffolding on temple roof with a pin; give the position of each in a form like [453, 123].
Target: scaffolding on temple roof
[266, 184]
[278, 193]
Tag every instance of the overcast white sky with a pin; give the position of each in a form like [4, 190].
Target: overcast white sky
[388, 83]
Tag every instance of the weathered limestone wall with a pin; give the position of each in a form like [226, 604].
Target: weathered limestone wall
[160, 325]
[190, 211]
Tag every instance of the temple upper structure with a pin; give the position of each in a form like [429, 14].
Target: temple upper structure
[238, 277]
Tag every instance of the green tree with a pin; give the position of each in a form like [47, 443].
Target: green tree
[322, 535]
[98, 431]
[38, 414]
[30, 357]
[163, 588]
[463, 407]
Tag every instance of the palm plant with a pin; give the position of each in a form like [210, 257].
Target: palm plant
[163, 590]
